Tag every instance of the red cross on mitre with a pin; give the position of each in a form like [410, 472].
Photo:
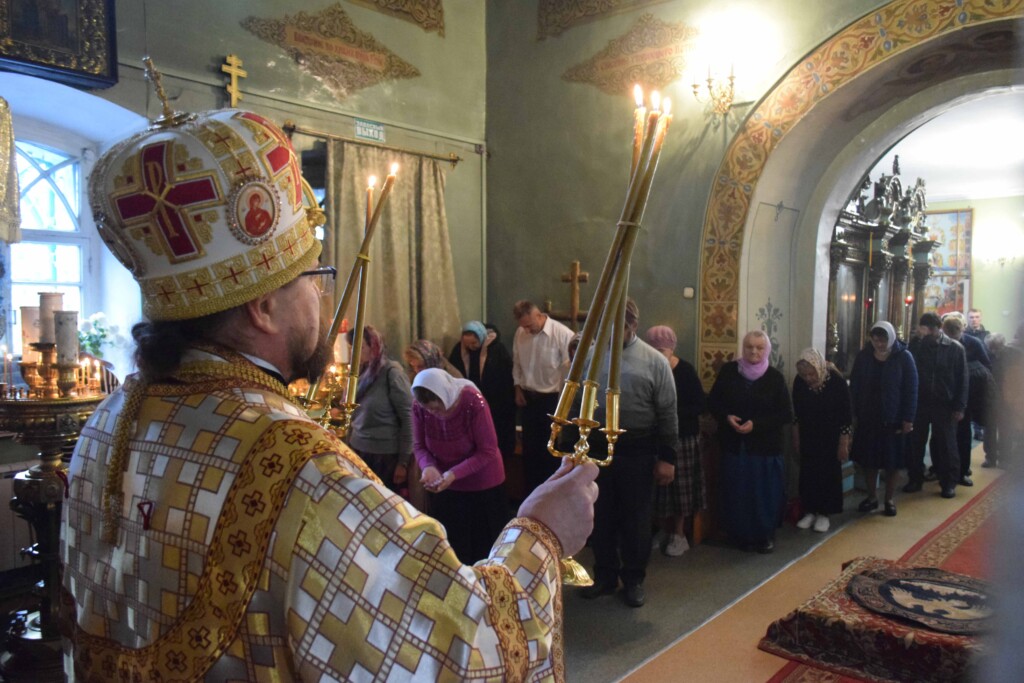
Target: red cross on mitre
[160, 202]
[279, 157]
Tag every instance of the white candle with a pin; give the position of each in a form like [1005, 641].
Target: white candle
[29, 332]
[66, 332]
[48, 303]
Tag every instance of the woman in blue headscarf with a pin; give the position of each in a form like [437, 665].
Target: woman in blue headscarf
[484, 360]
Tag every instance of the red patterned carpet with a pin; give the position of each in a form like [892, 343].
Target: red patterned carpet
[960, 545]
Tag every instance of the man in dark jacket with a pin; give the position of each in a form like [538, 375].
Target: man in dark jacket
[979, 386]
[941, 403]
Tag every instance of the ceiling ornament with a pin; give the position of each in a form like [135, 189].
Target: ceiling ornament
[427, 14]
[653, 53]
[329, 47]
[556, 16]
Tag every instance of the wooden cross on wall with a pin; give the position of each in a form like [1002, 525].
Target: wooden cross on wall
[574, 277]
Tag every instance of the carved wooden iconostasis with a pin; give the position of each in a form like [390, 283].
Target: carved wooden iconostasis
[880, 264]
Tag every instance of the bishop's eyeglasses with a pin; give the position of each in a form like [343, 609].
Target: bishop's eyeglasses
[323, 278]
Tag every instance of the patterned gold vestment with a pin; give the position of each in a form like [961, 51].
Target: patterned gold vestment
[253, 546]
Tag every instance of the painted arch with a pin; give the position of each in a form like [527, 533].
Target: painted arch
[892, 30]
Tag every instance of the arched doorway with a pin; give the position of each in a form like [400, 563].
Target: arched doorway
[786, 173]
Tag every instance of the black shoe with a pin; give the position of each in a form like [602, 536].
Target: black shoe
[966, 481]
[990, 463]
[598, 589]
[868, 504]
[634, 595]
[890, 509]
[767, 547]
[912, 487]
[948, 492]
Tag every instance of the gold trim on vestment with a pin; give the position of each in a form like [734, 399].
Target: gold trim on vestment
[503, 609]
[229, 579]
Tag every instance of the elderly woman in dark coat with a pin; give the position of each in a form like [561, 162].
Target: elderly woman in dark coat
[821, 436]
[883, 385]
[483, 359]
[750, 401]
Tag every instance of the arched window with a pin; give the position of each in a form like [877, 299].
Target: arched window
[54, 253]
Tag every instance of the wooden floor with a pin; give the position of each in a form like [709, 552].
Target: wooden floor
[725, 648]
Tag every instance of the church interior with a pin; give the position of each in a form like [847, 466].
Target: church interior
[828, 164]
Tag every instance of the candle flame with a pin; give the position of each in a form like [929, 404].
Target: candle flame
[655, 100]
[666, 106]
[372, 181]
[394, 169]
[638, 95]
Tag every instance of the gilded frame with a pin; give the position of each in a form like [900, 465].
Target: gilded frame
[72, 43]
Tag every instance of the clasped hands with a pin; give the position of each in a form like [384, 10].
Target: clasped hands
[434, 481]
[744, 427]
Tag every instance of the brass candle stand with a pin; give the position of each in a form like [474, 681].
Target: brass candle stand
[53, 424]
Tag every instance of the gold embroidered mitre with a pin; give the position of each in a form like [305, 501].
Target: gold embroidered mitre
[206, 211]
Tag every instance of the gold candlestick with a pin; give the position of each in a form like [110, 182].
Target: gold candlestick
[67, 382]
[607, 310]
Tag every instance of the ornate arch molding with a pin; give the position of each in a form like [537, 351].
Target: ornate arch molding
[897, 27]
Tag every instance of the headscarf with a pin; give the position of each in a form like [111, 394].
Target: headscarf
[661, 337]
[374, 358]
[429, 352]
[442, 385]
[754, 371]
[813, 357]
[477, 328]
[889, 331]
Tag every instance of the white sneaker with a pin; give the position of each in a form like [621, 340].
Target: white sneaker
[807, 520]
[658, 540]
[676, 546]
[821, 524]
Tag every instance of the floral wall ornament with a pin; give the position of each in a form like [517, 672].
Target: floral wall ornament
[329, 47]
[653, 52]
[556, 16]
[770, 315]
[427, 14]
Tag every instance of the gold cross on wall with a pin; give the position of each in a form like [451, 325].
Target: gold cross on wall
[233, 67]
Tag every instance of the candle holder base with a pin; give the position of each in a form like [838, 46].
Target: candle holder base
[573, 574]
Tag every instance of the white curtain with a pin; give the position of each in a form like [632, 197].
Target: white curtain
[411, 291]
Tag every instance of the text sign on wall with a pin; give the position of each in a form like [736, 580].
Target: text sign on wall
[369, 130]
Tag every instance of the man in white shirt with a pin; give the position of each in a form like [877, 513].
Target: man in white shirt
[539, 351]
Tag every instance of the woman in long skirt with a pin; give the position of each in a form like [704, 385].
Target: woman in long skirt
[821, 435]
[883, 385]
[750, 402]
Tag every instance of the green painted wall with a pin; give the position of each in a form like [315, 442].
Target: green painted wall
[560, 151]
[997, 260]
[441, 111]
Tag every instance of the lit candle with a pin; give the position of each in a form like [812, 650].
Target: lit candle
[369, 202]
[638, 126]
[3, 352]
[83, 374]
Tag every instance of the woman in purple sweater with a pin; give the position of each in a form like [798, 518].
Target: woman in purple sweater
[455, 446]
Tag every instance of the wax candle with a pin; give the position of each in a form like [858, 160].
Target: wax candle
[29, 332]
[66, 332]
[48, 303]
[639, 115]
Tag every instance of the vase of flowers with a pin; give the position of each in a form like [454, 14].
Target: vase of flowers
[95, 332]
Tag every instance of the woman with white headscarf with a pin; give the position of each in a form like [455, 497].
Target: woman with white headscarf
[883, 385]
[457, 451]
[821, 437]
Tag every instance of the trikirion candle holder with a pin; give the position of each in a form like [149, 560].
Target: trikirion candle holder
[605, 324]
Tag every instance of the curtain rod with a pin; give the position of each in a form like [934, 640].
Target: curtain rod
[290, 128]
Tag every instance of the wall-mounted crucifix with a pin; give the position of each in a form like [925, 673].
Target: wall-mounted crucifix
[574, 316]
[233, 67]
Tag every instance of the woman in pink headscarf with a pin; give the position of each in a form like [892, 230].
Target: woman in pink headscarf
[750, 401]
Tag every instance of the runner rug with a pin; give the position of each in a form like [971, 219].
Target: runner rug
[833, 639]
